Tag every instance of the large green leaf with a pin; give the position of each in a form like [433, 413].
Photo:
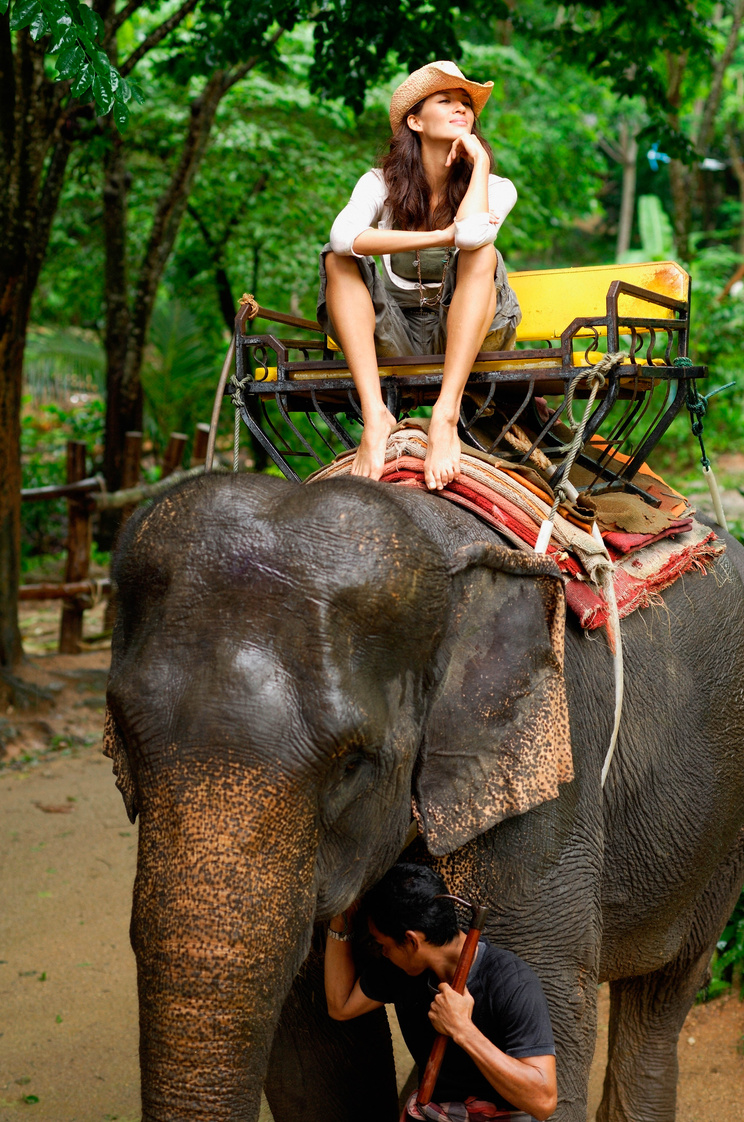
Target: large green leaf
[24, 13]
[103, 94]
[70, 61]
[83, 81]
[39, 26]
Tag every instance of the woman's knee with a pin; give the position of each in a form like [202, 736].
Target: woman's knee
[337, 265]
[481, 261]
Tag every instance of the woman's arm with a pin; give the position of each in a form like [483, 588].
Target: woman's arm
[528, 1083]
[398, 241]
[475, 199]
[344, 995]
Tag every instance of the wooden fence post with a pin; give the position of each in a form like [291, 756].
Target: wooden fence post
[201, 437]
[130, 476]
[78, 551]
[130, 472]
[173, 453]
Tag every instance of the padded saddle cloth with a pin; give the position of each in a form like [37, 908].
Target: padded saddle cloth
[515, 500]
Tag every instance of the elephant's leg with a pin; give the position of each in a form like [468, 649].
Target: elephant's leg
[647, 1013]
[322, 1070]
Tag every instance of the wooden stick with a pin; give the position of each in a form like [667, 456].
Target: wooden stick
[63, 490]
[116, 500]
[465, 961]
[83, 588]
[78, 550]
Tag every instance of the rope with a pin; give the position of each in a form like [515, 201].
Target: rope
[250, 299]
[595, 377]
[238, 402]
[616, 645]
[697, 407]
[236, 439]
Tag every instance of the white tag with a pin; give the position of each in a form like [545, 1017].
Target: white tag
[596, 533]
[543, 538]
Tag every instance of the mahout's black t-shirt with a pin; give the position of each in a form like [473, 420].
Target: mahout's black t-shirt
[510, 1010]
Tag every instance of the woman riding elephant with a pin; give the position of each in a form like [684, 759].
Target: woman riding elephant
[432, 212]
[292, 669]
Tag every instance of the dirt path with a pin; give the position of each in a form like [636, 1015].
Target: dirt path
[68, 1016]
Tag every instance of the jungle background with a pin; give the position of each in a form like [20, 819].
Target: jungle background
[161, 158]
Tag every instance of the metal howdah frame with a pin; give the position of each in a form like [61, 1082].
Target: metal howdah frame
[638, 402]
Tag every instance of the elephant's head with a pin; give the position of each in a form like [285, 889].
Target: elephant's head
[291, 667]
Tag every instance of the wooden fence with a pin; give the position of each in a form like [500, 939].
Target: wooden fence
[86, 495]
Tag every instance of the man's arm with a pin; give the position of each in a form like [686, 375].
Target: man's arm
[528, 1083]
[344, 995]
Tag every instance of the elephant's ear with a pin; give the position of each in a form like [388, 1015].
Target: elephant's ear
[497, 739]
[113, 747]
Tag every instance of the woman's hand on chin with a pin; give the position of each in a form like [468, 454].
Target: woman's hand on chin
[465, 147]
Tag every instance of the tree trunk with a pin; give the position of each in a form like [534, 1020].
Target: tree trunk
[123, 409]
[13, 320]
[679, 175]
[127, 325]
[35, 146]
[680, 180]
[629, 148]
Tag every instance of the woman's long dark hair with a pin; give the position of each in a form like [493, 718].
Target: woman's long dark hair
[409, 196]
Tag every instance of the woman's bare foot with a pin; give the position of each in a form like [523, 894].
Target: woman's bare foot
[442, 463]
[370, 458]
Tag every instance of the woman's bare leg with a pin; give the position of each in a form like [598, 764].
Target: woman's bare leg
[468, 320]
[353, 316]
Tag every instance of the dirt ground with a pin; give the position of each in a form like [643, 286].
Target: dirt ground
[68, 1011]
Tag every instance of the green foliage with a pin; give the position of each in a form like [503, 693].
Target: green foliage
[657, 240]
[727, 964]
[179, 374]
[630, 43]
[60, 362]
[45, 430]
[75, 35]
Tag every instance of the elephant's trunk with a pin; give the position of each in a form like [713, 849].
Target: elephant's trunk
[223, 910]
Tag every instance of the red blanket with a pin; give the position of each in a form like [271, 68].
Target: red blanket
[639, 577]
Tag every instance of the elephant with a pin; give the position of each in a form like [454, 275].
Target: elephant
[293, 668]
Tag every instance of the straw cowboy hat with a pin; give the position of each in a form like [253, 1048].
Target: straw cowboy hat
[428, 80]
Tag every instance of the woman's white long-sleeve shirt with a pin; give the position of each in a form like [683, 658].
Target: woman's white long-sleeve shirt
[366, 208]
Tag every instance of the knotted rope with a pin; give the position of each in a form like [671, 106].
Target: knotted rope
[238, 402]
[595, 378]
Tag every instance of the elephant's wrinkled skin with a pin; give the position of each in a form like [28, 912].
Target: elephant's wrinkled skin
[281, 655]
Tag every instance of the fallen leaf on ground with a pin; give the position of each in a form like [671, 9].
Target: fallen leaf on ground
[55, 808]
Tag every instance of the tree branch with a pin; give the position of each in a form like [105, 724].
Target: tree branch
[245, 67]
[156, 36]
[121, 18]
[610, 149]
[47, 208]
[167, 221]
[713, 100]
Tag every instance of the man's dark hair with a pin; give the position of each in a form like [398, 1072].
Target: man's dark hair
[404, 901]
